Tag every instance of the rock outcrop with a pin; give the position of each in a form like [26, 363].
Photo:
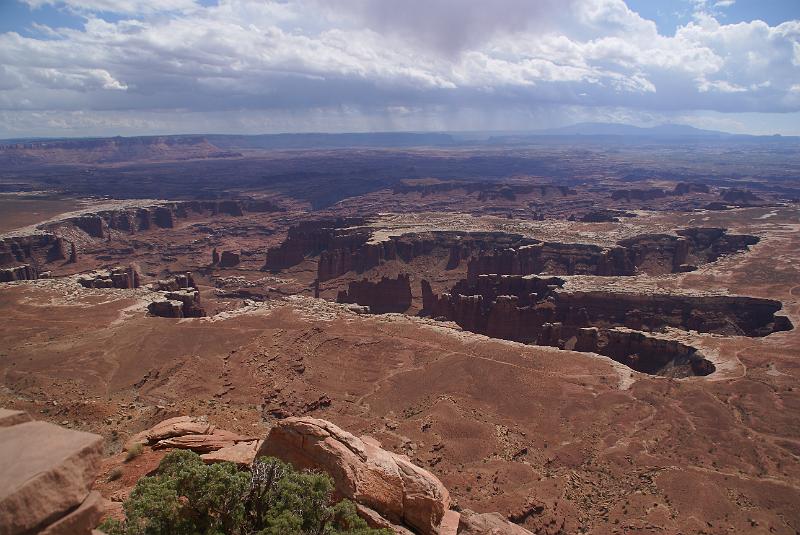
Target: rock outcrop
[537, 310]
[18, 273]
[46, 474]
[229, 259]
[22, 258]
[471, 523]
[178, 304]
[178, 297]
[124, 278]
[309, 238]
[654, 254]
[10, 417]
[387, 483]
[727, 315]
[87, 515]
[342, 249]
[386, 295]
[179, 281]
[388, 490]
[196, 434]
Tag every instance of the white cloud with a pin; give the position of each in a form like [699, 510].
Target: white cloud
[303, 57]
[129, 7]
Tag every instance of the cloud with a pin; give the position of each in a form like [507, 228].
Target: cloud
[128, 7]
[370, 62]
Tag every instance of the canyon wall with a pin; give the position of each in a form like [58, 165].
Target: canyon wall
[310, 238]
[24, 257]
[342, 248]
[537, 310]
[654, 254]
[386, 295]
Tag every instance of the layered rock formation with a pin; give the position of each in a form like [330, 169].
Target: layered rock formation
[536, 310]
[727, 315]
[196, 434]
[386, 295]
[178, 304]
[22, 258]
[165, 215]
[18, 273]
[46, 475]
[553, 258]
[654, 254]
[48, 244]
[179, 298]
[343, 248]
[310, 238]
[179, 281]
[124, 278]
[459, 246]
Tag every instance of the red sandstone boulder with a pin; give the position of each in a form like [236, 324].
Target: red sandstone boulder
[45, 471]
[472, 523]
[217, 440]
[81, 520]
[172, 427]
[376, 521]
[388, 483]
[241, 453]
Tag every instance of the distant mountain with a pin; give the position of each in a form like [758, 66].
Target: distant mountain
[619, 129]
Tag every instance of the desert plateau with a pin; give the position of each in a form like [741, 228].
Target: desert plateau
[419, 303]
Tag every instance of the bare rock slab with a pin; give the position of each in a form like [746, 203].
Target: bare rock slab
[10, 417]
[81, 521]
[45, 471]
[471, 523]
[242, 453]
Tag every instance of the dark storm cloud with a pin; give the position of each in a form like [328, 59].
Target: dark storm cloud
[451, 26]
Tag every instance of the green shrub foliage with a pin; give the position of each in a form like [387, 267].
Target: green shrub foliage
[188, 497]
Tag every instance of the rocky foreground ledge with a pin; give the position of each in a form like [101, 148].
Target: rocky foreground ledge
[47, 474]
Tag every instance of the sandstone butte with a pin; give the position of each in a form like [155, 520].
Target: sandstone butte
[47, 473]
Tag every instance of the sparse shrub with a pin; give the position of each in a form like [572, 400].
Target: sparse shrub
[134, 452]
[188, 497]
[115, 474]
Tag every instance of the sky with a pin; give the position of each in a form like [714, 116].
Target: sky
[140, 67]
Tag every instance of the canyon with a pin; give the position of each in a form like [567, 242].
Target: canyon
[597, 344]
